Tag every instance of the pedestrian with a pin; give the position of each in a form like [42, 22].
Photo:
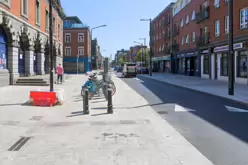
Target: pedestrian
[60, 72]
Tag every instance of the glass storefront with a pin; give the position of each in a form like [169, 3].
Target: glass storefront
[206, 64]
[224, 64]
[242, 65]
[181, 65]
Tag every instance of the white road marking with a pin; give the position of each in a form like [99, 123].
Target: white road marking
[233, 109]
[179, 108]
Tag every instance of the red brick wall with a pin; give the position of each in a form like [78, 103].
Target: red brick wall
[74, 41]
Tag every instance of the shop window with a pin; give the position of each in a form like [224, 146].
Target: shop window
[224, 64]
[206, 64]
[242, 65]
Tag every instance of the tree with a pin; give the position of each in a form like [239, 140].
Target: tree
[123, 58]
[145, 58]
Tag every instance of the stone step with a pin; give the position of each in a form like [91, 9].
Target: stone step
[30, 80]
[31, 84]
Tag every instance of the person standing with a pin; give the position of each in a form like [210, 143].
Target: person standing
[60, 72]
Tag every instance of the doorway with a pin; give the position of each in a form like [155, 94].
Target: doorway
[35, 63]
[192, 66]
[21, 63]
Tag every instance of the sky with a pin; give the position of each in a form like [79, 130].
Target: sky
[122, 18]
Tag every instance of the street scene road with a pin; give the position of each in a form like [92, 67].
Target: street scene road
[214, 125]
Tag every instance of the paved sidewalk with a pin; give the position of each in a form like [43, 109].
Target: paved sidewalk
[134, 135]
[217, 88]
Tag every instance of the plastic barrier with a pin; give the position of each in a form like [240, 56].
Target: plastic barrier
[43, 98]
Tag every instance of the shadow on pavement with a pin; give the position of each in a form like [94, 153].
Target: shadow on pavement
[209, 108]
[100, 114]
[77, 113]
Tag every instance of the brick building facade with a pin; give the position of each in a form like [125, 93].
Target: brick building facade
[213, 22]
[24, 30]
[77, 46]
[161, 25]
[200, 38]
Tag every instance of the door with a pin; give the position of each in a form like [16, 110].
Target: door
[192, 66]
[3, 49]
[35, 63]
[21, 63]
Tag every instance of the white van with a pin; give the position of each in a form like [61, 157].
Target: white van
[129, 69]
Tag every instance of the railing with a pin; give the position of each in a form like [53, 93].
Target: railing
[167, 50]
[175, 47]
[175, 31]
[75, 26]
[202, 15]
[203, 40]
[167, 36]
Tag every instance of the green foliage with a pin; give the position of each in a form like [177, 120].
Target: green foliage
[145, 57]
[123, 58]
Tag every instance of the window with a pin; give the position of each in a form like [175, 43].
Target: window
[25, 8]
[58, 31]
[224, 64]
[80, 37]
[216, 3]
[47, 20]
[182, 40]
[242, 65]
[206, 64]
[187, 39]
[193, 37]
[226, 24]
[6, 2]
[182, 22]
[193, 15]
[67, 37]
[38, 12]
[243, 18]
[54, 25]
[81, 51]
[68, 51]
[168, 32]
[187, 19]
[217, 28]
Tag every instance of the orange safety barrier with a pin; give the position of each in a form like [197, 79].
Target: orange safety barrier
[42, 98]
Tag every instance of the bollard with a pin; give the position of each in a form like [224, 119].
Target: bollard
[86, 102]
[110, 104]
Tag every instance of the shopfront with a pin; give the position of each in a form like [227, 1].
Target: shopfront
[3, 49]
[188, 64]
[161, 64]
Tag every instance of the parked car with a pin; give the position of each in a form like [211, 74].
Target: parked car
[144, 70]
[120, 69]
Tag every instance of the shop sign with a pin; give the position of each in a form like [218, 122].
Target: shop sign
[225, 48]
[160, 58]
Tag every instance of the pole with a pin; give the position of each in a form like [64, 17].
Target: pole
[150, 47]
[145, 50]
[77, 64]
[142, 59]
[110, 103]
[51, 45]
[86, 102]
[230, 51]
[247, 66]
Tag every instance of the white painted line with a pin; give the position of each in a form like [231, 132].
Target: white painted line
[179, 108]
[138, 79]
[233, 109]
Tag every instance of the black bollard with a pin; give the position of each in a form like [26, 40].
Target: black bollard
[110, 104]
[86, 102]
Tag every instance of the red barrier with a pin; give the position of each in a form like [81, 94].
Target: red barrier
[42, 98]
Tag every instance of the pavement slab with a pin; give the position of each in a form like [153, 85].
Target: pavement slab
[133, 135]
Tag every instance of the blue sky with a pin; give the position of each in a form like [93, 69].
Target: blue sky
[122, 19]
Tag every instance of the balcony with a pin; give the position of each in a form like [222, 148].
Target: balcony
[167, 49]
[75, 26]
[175, 47]
[175, 31]
[167, 36]
[203, 39]
[166, 22]
[202, 15]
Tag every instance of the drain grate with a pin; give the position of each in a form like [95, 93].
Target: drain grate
[19, 144]
[36, 118]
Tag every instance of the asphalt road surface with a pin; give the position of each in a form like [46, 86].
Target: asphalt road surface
[219, 134]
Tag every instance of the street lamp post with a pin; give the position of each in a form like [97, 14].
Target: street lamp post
[150, 44]
[51, 45]
[231, 57]
[91, 31]
[141, 55]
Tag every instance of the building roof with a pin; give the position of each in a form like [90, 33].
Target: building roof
[75, 18]
[166, 8]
